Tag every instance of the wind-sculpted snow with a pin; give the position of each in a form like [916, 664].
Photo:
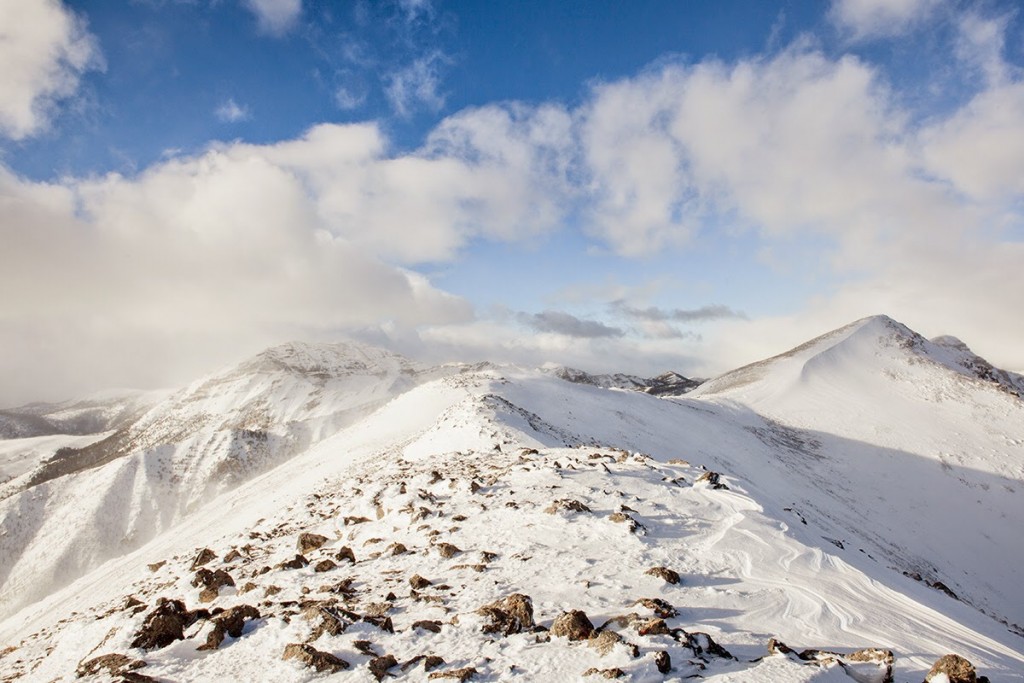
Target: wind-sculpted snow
[862, 491]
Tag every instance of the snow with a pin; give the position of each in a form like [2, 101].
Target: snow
[867, 453]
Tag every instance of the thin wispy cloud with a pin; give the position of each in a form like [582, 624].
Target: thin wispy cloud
[865, 19]
[231, 112]
[348, 99]
[275, 17]
[679, 315]
[417, 85]
[560, 322]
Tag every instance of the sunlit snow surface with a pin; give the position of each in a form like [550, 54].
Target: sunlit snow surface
[863, 455]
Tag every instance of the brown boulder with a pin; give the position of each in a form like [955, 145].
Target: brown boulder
[574, 625]
[663, 573]
[956, 668]
[230, 622]
[379, 666]
[113, 664]
[166, 624]
[511, 614]
[308, 542]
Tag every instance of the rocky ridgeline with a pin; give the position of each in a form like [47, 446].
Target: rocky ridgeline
[466, 566]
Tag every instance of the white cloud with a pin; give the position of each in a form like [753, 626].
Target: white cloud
[880, 18]
[417, 84]
[275, 17]
[44, 49]
[348, 99]
[230, 112]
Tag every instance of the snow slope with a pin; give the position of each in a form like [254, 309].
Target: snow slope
[82, 506]
[832, 493]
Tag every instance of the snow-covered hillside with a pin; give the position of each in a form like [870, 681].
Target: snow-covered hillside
[63, 515]
[835, 498]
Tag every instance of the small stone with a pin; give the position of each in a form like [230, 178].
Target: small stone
[566, 504]
[297, 562]
[379, 666]
[155, 567]
[460, 675]
[605, 673]
[308, 542]
[447, 550]
[346, 554]
[662, 661]
[574, 625]
[397, 549]
[604, 642]
[664, 573]
[232, 555]
[511, 614]
[324, 565]
[113, 664]
[310, 656]
[166, 624]
[249, 585]
[428, 625]
[660, 607]
[271, 590]
[418, 582]
[355, 520]
[230, 622]
[653, 627]
[205, 556]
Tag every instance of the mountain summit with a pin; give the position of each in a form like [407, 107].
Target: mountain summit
[847, 511]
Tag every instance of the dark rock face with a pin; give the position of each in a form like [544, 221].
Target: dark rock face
[212, 582]
[574, 625]
[113, 664]
[956, 668]
[663, 661]
[230, 622]
[309, 542]
[664, 573]
[297, 562]
[310, 656]
[166, 624]
[511, 614]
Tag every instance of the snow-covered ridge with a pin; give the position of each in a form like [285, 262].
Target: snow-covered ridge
[666, 384]
[862, 490]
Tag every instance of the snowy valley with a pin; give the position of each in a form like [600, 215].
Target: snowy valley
[847, 511]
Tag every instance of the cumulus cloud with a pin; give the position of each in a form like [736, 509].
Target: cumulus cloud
[44, 48]
[560, 322]
[230, 112]
[196, 261]
[880, 18]
[275, 17]
[416, 85]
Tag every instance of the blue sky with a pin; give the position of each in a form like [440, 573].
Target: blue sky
[618, 186]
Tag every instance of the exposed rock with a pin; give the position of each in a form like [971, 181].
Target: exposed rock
[605, 673]
[365, 647]
[397, 549]
[346, 554]
[324, 565]
[511, 614]
[653, 627]
[664, 573]
[574, 625]
[662, 661]
[249, 586]
[956, 669]
[232, 555]
[166, 624]
[155, 567]
[566, 504]
[777, 647]
[659, 606]
[230, 622]
[447, 550]
[604, 642]
[418, 582]
[212, 581]
[428, 625]
[310, 656]
[356, 520]
[330, 623]
[379, 666]
[308, 542]
[702, 643]
[113, 664]
[297, 562]
[271, 590]
[460, 675]
[204, 556]
[714, 480]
